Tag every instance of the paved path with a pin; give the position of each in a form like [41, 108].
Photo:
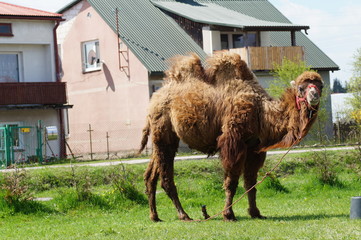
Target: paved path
[181, 158]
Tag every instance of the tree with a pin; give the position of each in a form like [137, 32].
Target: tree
[337, 87]
[286, 72]
[355, 88]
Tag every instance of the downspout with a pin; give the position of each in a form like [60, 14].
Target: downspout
[62, 152]
[56, 52]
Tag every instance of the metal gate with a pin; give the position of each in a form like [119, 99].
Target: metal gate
[20, 144]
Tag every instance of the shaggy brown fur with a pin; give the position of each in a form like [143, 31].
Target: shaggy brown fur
[222, 108]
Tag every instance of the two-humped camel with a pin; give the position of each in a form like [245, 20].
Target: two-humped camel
[224, 109]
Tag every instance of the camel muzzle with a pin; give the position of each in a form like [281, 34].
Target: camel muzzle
[313, 96]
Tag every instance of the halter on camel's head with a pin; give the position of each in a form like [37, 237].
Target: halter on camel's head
[309, 89]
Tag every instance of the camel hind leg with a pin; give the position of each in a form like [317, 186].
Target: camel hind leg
[165, 154]
[151, 176]
[165, 145]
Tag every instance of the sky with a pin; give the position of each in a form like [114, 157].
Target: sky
[335, 26]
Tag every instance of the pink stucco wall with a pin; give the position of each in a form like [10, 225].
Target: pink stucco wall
[107, 99]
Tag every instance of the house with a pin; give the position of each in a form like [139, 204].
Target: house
[114, 54]
[32, 98]
[341, 107]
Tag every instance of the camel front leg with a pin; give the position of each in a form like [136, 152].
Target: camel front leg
[253, 163]
[230, 186]
[233, 155]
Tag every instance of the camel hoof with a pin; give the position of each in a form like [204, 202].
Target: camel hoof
[229, 217]
[185, 218]
[255, 213]
[156, 219]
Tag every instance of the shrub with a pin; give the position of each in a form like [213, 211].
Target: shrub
[123, 181]
[16, 187]
[326, 169]
[273, 183]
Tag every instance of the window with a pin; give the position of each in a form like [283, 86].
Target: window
[251, 39]
[224, 41]
[5, 30]
[238, 40]
[90, 53]
[9, 67]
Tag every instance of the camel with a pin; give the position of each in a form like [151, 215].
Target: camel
[223, 108]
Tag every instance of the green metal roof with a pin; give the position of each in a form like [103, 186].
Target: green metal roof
[264, 10]
[154, 37]
[151, 35]
[214, 14]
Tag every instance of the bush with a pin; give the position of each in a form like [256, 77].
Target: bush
[16, 187]
[273, 183]
[123, 181]
[326, 169]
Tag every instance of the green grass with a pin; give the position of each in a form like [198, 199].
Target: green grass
[297, 203]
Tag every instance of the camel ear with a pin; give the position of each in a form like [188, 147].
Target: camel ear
[293, 84]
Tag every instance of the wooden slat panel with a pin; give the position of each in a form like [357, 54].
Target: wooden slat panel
[264, 58]
[33, 93]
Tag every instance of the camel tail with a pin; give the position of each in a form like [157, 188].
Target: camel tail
[146, 131]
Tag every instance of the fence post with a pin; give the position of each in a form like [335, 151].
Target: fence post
[39, 152]
[107, 136]
[7, 146]
[90, 142]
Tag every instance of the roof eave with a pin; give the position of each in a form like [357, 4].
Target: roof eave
[326, 68]
[275, 28]
[55, 18]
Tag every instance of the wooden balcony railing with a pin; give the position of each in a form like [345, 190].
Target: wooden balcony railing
[33, 93]
[264, 58]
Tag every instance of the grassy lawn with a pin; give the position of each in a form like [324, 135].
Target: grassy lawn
[96, 203]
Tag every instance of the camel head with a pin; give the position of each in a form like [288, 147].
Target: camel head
[309, 89]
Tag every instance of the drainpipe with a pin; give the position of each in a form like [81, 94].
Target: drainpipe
[56, 52]
[293, 38]
[62, 152]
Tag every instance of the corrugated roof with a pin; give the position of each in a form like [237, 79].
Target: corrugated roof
[264, 10]
[11, 10]
[154, 37]
[214, 14]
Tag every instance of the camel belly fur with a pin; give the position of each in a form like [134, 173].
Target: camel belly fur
[193, 120]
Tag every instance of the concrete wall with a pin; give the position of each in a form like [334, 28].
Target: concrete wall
[112, 100]
[33, 41]
[211, 40]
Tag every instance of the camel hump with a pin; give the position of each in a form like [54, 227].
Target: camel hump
[185, 68]
[225, 65]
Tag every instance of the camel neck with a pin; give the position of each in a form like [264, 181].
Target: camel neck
[284, 123]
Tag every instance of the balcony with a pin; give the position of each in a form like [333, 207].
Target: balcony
[265, 58]
[44, 93]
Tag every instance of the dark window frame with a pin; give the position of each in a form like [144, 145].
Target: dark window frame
[7, 34]
[224, 40]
